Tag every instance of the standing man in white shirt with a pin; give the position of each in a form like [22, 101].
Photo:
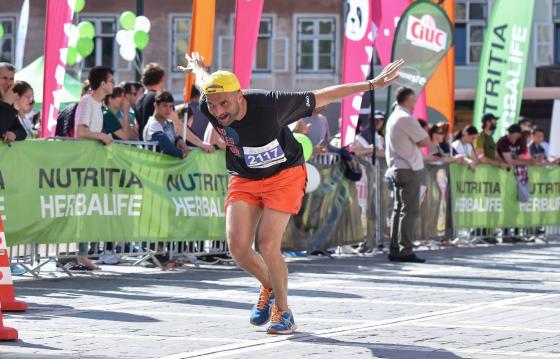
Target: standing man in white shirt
[89, 115]
[89, 123]
[403, 139]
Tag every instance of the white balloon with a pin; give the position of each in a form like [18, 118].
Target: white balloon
[128, 39]
[142, 24]
[121, 37]
[313, 178]
[128, 52]
[73, 35]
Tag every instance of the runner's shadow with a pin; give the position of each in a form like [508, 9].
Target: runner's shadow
[379, 350]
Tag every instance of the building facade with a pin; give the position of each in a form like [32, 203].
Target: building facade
[299, 45]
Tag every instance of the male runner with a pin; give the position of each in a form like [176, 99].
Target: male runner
[268, 172]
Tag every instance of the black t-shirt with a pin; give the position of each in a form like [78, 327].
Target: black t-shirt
[261, 145]
[144, 110]
[504, 145]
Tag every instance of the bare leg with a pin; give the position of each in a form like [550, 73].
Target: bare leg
[241, 223]
[271, 230]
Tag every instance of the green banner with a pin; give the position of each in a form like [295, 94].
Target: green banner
[487, 198]
[81, 191]
[505, 51]
[424, 35]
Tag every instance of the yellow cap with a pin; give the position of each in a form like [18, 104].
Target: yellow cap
[221, 81]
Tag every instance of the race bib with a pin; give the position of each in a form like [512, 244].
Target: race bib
[265, 156]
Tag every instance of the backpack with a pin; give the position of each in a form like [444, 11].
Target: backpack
[65, 121]
[353, 170]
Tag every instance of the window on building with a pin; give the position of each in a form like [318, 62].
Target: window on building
[271, 53]
[470, 24]
[263, 55]
[556, 18]
[316, 44]
[180, 40]
[105, 50]
[7, 42]
[543, 43]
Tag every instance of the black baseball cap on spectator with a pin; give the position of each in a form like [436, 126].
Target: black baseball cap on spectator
[488, 117]
[379, 115]
[515, 128]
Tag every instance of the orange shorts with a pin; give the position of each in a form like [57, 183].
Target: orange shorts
[282, 192]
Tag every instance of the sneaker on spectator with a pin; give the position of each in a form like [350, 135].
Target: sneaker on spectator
[260, 313]
[17, 270]
[110, 259]
[281, 322]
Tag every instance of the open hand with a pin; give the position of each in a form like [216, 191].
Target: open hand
[194, 62]
[388, 75]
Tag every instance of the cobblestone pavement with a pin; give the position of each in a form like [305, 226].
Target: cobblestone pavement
[491, 302]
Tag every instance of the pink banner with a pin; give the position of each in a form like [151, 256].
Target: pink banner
[391, 11]
[247, 23]
[359, 35]
[59, 15]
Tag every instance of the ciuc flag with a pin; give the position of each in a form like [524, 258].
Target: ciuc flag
[501, 74]
[424, 35]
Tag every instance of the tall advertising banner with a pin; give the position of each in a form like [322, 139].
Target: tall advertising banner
[202, 37]
[58, 19]
[440, 91]
[391, 11]
[424, 35]
[359, 35]
[501, 75]
[247, 23]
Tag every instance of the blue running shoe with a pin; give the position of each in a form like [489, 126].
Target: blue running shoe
[281, 322]
[260, 313]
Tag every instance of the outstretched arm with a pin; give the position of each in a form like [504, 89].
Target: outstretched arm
[195, 66]
[330, 94]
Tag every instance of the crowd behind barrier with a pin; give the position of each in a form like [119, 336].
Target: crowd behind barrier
[338, 213]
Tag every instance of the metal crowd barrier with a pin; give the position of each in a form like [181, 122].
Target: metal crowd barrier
[371, 194]
[33, 257]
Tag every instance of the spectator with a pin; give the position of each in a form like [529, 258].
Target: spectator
[132, 92]
[525, 123]
[404, 159]
[363, 145]
[317, 127]
[510, 147]
[89, 124]
[435, 151]
[444, 144]
[24, 105]
[191, 138]
[200, 122]
[537, 150]
[160, 128]
[114, 123]
[153, 77]
[463, 145]
[10, 127]
[65, 123]
[89, 115]
[7, 73]
[485, 145]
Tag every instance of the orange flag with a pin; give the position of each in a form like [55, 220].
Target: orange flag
[440, 91]
[202, 34]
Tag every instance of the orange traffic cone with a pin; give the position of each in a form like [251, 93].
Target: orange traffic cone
[7, 297]
[5, 332]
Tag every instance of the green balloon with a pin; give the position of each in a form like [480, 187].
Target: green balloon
[86, 30]
[72, 56]
[127, 20]
[84, 46]
[80, 4]
[306, 144]
[1, 30]
[141, 39]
